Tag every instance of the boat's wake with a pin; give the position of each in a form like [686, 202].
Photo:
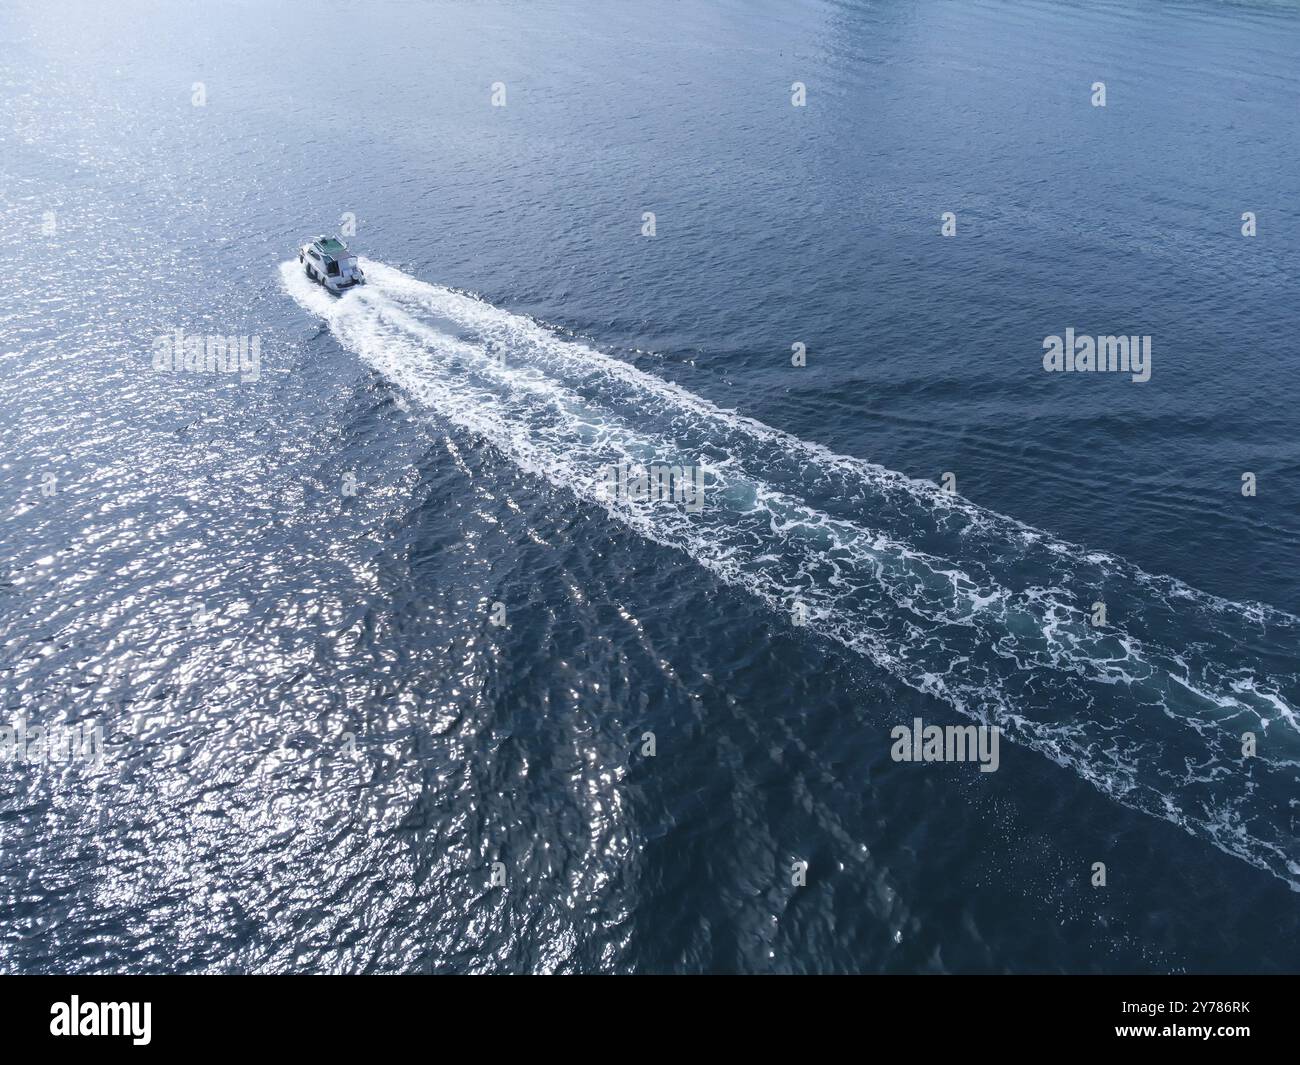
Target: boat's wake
[992, 616]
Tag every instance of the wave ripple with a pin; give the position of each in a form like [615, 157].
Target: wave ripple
[975, 608]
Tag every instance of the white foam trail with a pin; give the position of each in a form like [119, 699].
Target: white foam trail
[967, 605]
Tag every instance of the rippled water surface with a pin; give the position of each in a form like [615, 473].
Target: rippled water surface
[274, 590]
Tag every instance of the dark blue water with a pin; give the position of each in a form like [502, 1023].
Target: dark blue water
[274, 592]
